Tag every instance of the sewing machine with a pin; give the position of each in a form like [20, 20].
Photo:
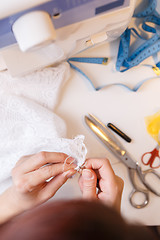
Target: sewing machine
[38, 33]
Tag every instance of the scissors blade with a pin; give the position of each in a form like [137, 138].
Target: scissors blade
[109, 140]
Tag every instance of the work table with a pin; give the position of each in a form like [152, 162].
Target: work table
[115, 104]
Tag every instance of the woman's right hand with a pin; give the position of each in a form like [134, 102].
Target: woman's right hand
[110, 186]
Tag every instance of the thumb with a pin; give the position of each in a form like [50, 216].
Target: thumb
[89, 184]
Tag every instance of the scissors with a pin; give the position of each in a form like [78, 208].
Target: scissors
[152, 158]
[112, 143]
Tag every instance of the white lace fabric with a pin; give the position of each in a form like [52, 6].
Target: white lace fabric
[28, 123]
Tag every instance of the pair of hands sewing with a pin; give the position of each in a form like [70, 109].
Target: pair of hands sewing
[31, 188]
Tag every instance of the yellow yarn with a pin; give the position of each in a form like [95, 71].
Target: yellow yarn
[153, 126]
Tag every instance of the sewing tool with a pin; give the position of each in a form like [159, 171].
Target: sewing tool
[57, 29]
[152, 158]
[125, 60]
[110, 141]
[119, 132]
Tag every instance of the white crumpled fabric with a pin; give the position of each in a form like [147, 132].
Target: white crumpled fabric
[28, 123]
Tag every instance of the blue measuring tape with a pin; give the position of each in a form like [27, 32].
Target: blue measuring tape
[125, 61]
[103, 61]
[148, 48]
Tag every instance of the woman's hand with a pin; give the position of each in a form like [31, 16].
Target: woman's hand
[110, 186]
[36, 179]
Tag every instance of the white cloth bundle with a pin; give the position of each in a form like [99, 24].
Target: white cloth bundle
[27, 122]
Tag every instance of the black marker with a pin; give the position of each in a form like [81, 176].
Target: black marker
[119, 132]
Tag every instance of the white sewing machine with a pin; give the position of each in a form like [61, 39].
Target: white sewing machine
[38, 33]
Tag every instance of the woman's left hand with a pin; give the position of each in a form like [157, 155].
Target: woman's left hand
[36, 179]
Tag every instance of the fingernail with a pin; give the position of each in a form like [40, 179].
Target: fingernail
[69, 160]
[87, 174]
[69, 173]
[72, 166]
[68, 167]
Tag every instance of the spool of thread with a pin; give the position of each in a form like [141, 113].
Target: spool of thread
[10, 7]
[34, 29]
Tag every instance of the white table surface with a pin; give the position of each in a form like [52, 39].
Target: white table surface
[119, 106]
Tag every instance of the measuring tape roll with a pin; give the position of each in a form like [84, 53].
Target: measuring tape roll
[148, 48]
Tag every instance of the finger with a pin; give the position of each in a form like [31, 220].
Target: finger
[52, 187]
[40, 159]
[80, 181]
[102, 167]
[89, 184]
[113, 194]
[23, 159]
[30, 181]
